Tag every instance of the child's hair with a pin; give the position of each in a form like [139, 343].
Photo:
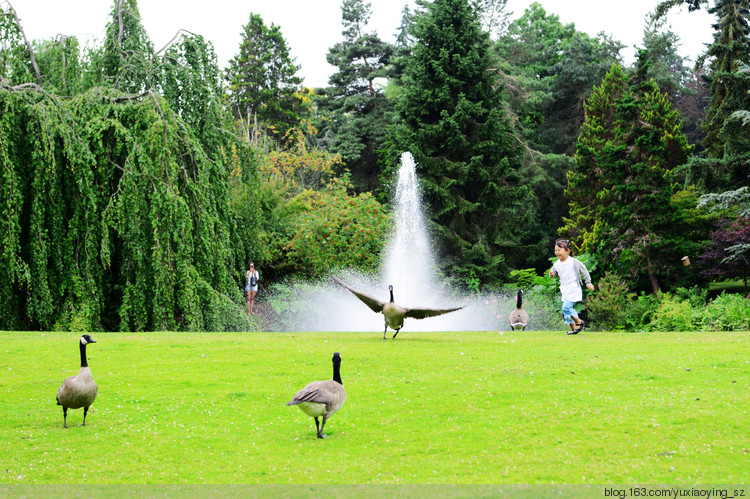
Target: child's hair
[564, 244]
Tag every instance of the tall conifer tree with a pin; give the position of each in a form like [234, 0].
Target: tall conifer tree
[454, 124]
[630, 144]
[263, 78]
[588, 177]
[357, 107]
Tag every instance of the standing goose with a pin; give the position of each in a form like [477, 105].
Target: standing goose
[322, 398]
[394, 314]
[518, 318]
[80, 390]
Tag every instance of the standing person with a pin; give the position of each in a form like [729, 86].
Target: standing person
[572, 273]
[252, 287]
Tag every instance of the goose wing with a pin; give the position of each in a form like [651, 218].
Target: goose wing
[422, 313]
[317, 392]
[369, 300]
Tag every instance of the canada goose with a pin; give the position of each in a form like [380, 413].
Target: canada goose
[322, 398]
[80, 390]
[395, 314]
[518, 318]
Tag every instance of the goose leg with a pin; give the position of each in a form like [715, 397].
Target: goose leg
[384, 330]
[397, 330]
[65, 417]
[320, 432]
[85, 411]
[317, 425]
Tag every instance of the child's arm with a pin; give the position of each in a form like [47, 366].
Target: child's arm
[585, 275]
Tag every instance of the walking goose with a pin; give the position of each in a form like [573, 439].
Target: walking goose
[518, 318]
[394, 314]
[322, 398]
[79, 390]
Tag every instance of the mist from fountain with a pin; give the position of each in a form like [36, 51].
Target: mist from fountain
[409, 265]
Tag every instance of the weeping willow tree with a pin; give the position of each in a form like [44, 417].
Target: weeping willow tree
[110, 216]
[115, 210]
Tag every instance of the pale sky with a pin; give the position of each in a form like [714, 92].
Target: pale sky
[312, 28]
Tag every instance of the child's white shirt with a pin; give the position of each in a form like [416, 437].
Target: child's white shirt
[569, 285]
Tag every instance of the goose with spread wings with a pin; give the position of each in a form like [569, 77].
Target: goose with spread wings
[394, 314]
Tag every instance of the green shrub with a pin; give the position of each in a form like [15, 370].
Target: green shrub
[639, 312]
[608, 304]
[339, 231]
[728, 312]
[523, 278]
[696, 296]
[674, 314]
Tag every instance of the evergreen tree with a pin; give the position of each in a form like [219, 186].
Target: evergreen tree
[356, 106]
[631, 143]
[729, 50]
[454, 124]
[588, 178]
[549, 69]
[725, 159]
[493, 16]
[263, 80]
[666, 67]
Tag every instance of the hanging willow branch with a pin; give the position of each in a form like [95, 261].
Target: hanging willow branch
[179, 32]
[113, 216]
[28, 44]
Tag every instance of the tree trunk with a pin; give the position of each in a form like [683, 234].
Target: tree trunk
[652, 277]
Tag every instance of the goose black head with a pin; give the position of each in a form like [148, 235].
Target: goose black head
[85, 339]
[336, 358]
[390, 289]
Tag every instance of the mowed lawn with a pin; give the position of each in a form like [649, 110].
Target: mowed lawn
[463, 408]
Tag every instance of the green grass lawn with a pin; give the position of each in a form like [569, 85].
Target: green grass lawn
[434, 408]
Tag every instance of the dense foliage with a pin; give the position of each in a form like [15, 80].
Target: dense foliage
[137, 183]
[113, 216]
[623, 190]
[338, 232]
[262, 80]
[454, 124]
[356, 109]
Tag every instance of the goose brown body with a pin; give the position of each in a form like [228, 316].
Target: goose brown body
[322, 398]
[519, 318]
[79, 390]
[393, 313]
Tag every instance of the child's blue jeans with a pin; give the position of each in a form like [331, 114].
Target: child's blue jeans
[569, 312]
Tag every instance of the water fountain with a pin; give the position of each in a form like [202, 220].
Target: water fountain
[409, 264]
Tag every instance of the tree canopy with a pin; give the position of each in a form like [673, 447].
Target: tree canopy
[454, 124]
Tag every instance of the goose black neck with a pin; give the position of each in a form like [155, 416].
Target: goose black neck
[337, 374]
[391, 295]
[519, 300]
[82, 348]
